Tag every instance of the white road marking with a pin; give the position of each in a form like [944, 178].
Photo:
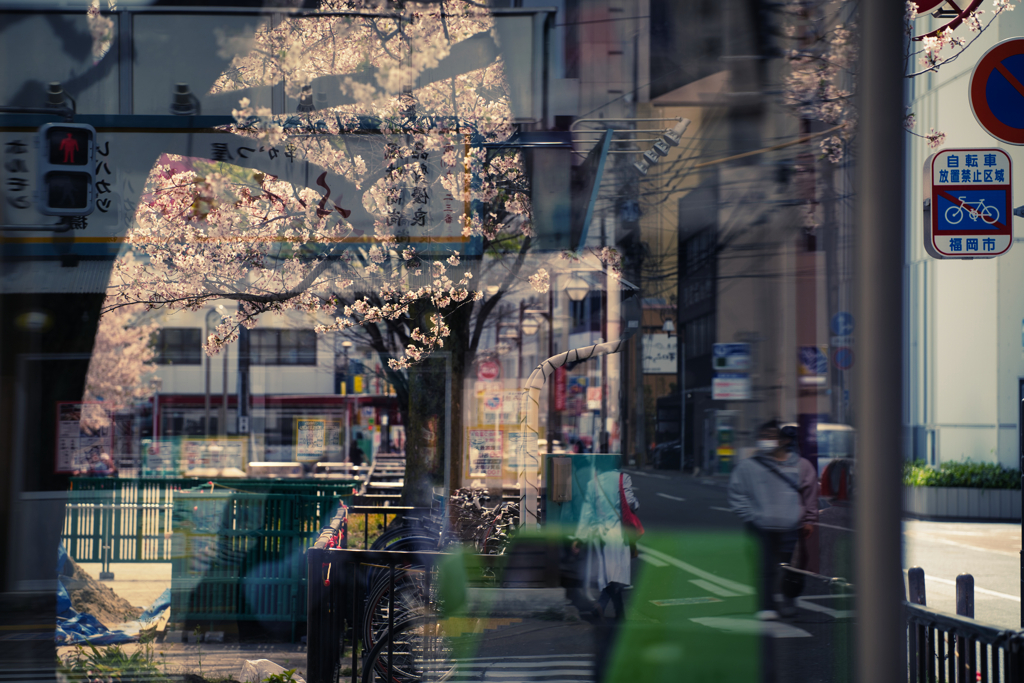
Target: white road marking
[833, 526]
[673, 602]
[984, 591]
[696, 571]
[776, 629]
[714, 588]
[653, 560]
[665, 495]
[720, 509]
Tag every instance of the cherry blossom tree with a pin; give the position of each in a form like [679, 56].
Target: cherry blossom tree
[822, 63]
[433, 200]
[121, 367]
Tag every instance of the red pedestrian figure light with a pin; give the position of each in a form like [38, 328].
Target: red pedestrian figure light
[69, 146]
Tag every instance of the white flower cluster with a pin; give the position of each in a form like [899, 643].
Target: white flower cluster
[208, 230]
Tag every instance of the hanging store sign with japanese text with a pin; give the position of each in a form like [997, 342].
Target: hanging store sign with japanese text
[971, 204]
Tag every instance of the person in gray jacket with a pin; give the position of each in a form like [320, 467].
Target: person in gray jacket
[775, 493]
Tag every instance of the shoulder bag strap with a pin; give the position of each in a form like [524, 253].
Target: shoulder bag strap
[778, 473]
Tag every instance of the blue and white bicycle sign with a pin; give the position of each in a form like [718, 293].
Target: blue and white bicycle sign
[973, 210]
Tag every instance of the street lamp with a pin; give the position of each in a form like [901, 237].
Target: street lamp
[343, 388]
[577, 288]
[531, 328]
[530, 324]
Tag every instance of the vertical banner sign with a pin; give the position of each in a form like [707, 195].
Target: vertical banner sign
[971, 204]
[560, 388]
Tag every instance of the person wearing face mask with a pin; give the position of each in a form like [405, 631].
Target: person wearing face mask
[774, 493]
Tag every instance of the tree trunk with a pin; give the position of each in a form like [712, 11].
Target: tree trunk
[427, 412]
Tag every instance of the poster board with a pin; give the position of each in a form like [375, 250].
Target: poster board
[310, 439]
[83, 434]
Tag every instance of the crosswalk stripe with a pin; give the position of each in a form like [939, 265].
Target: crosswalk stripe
[714, 588]
[651, 559]
[696, 571]
[774, 629]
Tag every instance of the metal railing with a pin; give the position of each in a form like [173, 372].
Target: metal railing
[954, 647]
[382, 604]
[390, 513]
[949, 647]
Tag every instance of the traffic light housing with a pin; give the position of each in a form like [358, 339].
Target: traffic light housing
[67, 173]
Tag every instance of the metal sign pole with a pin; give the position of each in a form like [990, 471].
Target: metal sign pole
[881, 630]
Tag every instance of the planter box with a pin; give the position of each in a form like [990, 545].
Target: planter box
[962, 503]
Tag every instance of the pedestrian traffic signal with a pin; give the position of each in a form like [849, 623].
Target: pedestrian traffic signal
[67, 174]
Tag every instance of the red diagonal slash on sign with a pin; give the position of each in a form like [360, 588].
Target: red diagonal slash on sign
[1010, 77]
[968, 208]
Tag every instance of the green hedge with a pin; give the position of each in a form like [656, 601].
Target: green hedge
[972, 475]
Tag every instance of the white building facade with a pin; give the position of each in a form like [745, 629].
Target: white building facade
[964, 319]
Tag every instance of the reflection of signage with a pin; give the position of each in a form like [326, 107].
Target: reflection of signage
[730, 387]
[842, 323]
[485, 451]
[310, 439]
[731, 362]
[842, 357]
[813, 365]
[659, 355]
[426, 215]
[83, 435]
[731, 357]
[501, 407]
[560, 388]
[182, 456]
[488, 371]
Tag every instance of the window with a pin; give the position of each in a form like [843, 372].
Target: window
[700, 336]
[283, 347]
[179, 346]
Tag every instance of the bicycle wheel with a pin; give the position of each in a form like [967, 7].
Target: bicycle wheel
[958, 211]
[413, 544]
[400, 528]
[419, 652]
[989, 214]
[410, 601]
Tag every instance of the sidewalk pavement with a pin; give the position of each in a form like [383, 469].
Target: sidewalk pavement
[998, 536]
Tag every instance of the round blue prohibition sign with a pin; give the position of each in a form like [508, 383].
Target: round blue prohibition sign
[842, 357]
[997, 91]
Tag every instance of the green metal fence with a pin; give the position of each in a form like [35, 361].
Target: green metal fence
[240, 556]
[129, 520]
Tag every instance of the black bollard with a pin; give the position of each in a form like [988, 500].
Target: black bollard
[915, 577]
[965, 595]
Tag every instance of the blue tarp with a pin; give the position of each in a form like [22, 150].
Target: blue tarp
[74, 628]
